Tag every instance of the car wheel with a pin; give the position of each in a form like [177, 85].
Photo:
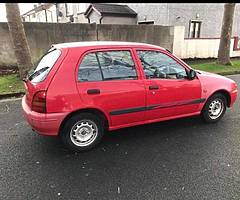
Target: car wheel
[214, 108]
[82, 132]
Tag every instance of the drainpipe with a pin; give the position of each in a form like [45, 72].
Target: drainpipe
[100, 20]
[57, 12]
[66, 8]
[46, 15]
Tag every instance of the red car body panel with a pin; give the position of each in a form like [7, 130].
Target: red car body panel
[45, 124]
[124, 103]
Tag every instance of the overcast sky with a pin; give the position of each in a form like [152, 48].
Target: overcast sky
[24, 7]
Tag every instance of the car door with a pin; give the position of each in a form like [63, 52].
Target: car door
[169, 91]
[108, 80]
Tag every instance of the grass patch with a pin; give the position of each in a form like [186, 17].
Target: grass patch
[216, 68]
[11, 84]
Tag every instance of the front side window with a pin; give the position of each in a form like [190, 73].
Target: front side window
[158, 65]
[107, 65]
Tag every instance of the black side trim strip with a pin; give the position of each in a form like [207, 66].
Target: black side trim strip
[156, 106]
[178, 103]
[125, 111]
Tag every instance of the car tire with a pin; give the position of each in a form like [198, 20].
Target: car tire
[82, 132]
[214, 108]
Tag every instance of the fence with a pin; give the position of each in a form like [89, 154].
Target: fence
[41, 36]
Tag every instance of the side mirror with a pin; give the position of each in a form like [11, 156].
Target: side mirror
[192, 74]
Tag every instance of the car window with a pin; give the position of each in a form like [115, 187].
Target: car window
[117, 65]
[89, 69]
[159, 65]
[42, 69]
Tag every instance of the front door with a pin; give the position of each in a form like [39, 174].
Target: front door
[169, 91]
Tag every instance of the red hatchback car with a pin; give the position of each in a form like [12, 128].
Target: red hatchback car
[78, 90]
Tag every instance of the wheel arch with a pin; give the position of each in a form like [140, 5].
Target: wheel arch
[225, 93]
[94, 111]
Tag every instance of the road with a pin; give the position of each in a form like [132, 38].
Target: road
[178, 159]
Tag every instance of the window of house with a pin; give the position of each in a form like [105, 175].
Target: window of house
[146, 22]
[107, 65]
[236, 44]
[159, 65]
[194, 29]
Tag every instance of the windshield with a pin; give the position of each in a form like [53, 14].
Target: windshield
[42, 69]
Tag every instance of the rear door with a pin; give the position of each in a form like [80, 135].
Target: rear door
[109, 80]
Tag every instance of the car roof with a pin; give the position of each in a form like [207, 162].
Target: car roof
[103, 44]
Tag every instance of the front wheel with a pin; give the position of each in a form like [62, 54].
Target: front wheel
[82, 132]
[214, 108]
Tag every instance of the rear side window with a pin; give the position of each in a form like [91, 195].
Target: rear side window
[107, 65]
[89, 69]
[42, 69]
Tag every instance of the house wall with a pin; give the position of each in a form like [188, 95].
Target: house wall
[166, 14]
[94, 17]
[80, 18]
[41, 16]
[204, 48]
[198, 48]
[64, 18]
[119, 20]
[51, 14]
[77, 10]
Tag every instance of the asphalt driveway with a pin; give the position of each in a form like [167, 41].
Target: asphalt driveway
[178, 159]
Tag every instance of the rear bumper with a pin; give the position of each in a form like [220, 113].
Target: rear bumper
[44, 124]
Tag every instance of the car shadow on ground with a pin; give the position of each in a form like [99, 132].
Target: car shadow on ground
[129, 136]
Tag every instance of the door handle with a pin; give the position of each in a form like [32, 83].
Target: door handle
[153, 87]
[93, 91]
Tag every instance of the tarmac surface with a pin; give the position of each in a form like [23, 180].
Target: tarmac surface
[177, 159]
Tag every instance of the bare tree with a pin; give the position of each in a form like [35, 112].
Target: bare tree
[20, 44]
[226, 33]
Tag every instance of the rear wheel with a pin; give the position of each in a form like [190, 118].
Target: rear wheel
[214, 108]
[82, 131]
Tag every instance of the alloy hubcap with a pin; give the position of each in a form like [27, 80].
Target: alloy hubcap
[83, 133]
[215, 108]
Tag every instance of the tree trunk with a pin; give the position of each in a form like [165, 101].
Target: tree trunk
[20, 44]
[226, 33]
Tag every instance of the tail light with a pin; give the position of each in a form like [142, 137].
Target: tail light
[39, 102]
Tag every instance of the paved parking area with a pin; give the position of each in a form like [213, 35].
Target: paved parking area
[178, 159]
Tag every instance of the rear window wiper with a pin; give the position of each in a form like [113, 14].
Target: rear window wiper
[36, 73]
[24, 79]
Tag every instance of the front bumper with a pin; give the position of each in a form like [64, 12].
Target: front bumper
[233, 97]
[43, 123]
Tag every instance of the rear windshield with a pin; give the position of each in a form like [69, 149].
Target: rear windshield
[42, 69]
